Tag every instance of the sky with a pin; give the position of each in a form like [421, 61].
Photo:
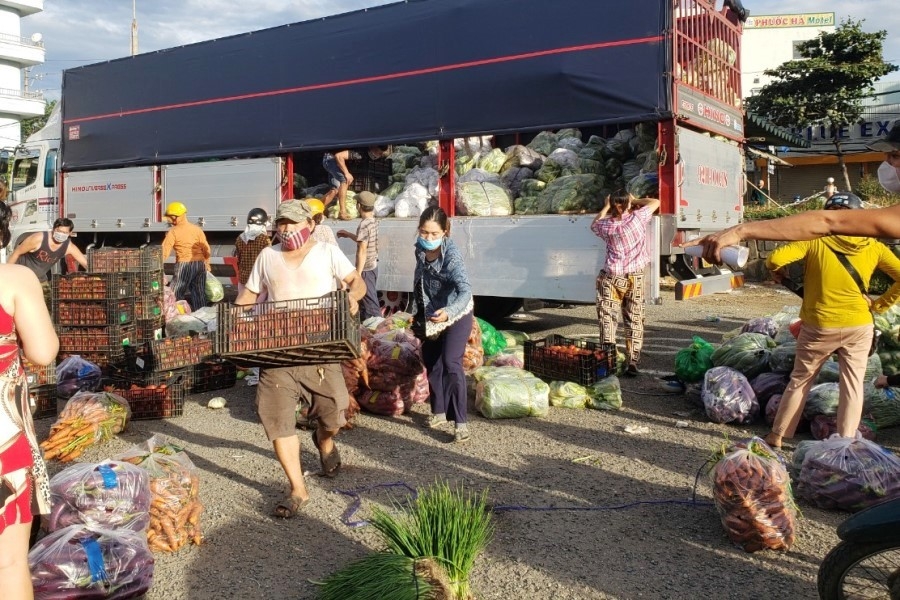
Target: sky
[80, 32]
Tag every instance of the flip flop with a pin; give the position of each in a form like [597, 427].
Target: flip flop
[289, 507]
[331, 464]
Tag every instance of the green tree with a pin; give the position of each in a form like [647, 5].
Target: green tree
[33, 124]
[827, 85]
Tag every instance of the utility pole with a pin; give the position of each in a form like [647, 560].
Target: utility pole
[134, 30]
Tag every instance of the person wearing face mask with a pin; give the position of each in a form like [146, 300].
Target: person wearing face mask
[443, 320]
[299, 267]
[191, 256]
[620, 284]
[882, 222]
[40, 251]
[249, 244]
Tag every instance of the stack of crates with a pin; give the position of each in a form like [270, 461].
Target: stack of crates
[146, 265]
[94, 315]
[41, 388]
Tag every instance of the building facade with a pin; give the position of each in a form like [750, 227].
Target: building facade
[17, 102]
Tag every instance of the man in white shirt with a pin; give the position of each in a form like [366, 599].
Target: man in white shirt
[299, 267]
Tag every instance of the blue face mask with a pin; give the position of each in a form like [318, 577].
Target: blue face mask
[429, 244]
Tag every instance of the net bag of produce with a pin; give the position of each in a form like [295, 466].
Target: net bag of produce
[388, 403]
[510, 397]
[772, 408]
[823, 427]
[473, 356]
[728, 397]
[751, 489]
[88, 418]
[765, 325]
[882, 405]
[492, 341]
[848, 474]
[781, 358]
[514, 357]
[746, 352]
[568, 394]
[74, 374]
[175, 507]
[86, 562]
[606, 394]
[822, 400]
[693, 362]
[109, 495]
[766, 385]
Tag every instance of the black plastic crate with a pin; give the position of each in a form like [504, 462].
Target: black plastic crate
[149, 330]
[43, 399]
[159, 397]
[370, 175]
[109, 340]
[293, 332]
[78, 313]
[101, 359]
[149, 306]
[91, 286]
[588, 363]
[39, 376]
[125, 260]
[168, 353]
[213, 375]
[150, 282]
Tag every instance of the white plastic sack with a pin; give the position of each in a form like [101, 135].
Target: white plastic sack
[426, 177]
[411, 201]
[384, 206]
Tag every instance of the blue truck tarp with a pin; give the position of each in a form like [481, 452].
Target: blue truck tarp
[411, 71]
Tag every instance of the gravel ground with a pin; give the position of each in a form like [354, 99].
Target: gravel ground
[610, 547]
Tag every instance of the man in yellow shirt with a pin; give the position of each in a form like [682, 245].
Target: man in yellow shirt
[836, 317]
[191, 256]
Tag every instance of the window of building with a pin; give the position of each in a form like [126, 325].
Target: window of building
[796, 44]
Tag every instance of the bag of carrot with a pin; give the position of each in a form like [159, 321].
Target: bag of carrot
[175, 506]
[751, 489]
[110, 495]
[88, 418]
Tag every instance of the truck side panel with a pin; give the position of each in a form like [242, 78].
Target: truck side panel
[110, 199]
[418, 70]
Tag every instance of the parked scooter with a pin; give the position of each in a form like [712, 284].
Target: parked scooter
[866, 563]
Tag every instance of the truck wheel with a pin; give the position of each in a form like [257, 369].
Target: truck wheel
[495, 308]
[861, 570]
[394, 302]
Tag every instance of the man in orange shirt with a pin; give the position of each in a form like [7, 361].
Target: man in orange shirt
[191, 256]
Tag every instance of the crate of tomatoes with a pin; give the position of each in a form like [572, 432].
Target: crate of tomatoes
[91, 286]
[293, 332]
[37, 376]
[559, 358]
[110, 341]
[168, 353]
[93, 312]
[125, 260]
[158, 396]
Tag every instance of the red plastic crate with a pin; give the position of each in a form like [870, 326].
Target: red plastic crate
[588, 364]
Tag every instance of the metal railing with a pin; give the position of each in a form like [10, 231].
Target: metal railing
[15, 39]
[9, 93]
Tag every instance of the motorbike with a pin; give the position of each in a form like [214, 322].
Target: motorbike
[866, 563]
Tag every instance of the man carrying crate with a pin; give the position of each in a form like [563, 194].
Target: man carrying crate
[298, 268]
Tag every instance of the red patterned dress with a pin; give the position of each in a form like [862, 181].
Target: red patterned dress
[22, 469]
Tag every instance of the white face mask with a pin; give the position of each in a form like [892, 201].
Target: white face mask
[60, 237]
[889, 177]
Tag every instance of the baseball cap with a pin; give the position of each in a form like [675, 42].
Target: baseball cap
[889, 144]
[294, 210]
[843, 200]
[366, 199]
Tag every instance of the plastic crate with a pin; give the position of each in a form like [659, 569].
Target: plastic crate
[591, 363]
[101, 359]
[39, 376]
[213, 375]
[43, 401]
[93, 312]
[149, 305]
[125, 260]
[168, 353]
[370, 175]
[150, 282]
[110, 340]
[149, 330]
[161, 400]
[293, 332]
[92, 286]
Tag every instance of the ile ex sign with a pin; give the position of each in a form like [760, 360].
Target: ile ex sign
[863, 130]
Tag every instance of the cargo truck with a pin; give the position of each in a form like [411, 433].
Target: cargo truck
[225, 125]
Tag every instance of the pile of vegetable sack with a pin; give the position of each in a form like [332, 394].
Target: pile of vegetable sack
[728, 397]
[847, 474]
[87, 562]
[88, 418]
[175, 506]
[111, 495]
[751, 489]
[510, 393]
[513, 352]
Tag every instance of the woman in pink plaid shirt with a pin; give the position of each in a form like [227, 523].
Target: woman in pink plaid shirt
[620, 285]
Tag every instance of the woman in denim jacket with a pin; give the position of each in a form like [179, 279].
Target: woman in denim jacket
[443, 319]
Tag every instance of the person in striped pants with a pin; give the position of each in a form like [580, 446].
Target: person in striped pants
[191, 256]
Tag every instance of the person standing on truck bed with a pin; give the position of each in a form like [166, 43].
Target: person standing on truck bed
[366, 239]
[620, 284]
[340, 178]
[191, 256]
[40, 251]
[249, 244]
[297, 268]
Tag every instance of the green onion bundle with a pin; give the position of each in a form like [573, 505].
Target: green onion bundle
[387, 575]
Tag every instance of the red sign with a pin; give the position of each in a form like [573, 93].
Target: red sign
[74, 132]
